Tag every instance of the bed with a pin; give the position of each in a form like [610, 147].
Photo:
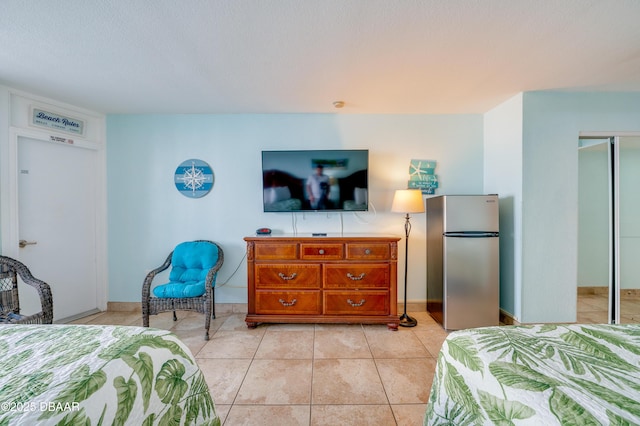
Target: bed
[538, 375]
[84, 374]
[282, 191]
[353, 191]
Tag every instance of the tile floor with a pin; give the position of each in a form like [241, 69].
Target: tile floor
[593, 308]
[308, 374]
[315, 374]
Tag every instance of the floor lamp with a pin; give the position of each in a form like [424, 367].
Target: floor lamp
[407, 201]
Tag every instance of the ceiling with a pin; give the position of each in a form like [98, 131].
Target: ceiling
[299, 56]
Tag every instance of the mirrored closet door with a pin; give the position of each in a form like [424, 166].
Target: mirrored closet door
[609, 230]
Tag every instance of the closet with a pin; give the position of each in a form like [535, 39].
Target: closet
[609, 229]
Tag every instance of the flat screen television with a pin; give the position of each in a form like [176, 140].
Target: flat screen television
[315, 180]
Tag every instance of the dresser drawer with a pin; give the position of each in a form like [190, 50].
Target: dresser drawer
[304, 302]
[321, 251]
[356, 275]
[356, 302]
[276, 251]
[283, 275]
[366, 251]
[322, 279]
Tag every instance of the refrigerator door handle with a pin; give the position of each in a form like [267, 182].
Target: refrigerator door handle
[471, 234]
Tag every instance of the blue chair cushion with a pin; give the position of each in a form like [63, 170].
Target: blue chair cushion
[180, 290]
[9, 317]
[190, 264]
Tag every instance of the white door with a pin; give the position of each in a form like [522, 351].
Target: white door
[609, 229]
[627, 297]
[57, 220]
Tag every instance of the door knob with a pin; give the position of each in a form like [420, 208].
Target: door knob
[24, 243]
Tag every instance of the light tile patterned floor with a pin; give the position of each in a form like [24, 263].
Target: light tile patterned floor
[594, 308]
[308, 374]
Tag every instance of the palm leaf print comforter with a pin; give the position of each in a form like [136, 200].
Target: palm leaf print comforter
[99, 375]
[538, 375]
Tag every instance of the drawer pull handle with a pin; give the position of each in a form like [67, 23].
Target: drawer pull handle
[321, 251]
[355, 277]
[354, 304]
[293, 302]
[367, 251]
[287, 277]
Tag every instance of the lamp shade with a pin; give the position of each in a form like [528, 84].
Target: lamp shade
[408, 201]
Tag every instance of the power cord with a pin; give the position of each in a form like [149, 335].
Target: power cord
[233, 273]
[357, 215]
[362, 220]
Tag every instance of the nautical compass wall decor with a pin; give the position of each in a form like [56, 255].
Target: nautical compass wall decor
[194, 178]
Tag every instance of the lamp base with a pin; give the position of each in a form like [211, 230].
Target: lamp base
[407, 321]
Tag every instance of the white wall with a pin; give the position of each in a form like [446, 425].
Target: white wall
[5, 105]
[552, 122]
[148, 216]
[503, 176]
[538, 166]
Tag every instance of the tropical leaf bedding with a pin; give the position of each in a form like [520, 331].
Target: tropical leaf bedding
[99, 375]
[538, 375]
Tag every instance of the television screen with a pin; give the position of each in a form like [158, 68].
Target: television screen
[315, 180]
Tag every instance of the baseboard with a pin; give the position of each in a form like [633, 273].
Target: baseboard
[507, 319]
[587, 291]
[75, 317]
[221, 308]
[124, 307]
[583, 291]
[413, 306]
[241, 308]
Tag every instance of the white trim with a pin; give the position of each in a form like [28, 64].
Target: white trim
[94, 139]
[49, 103]
[615, 289]
[45, 136]
[102, 270]
[612, 140]
[606, 134]
[614, 228]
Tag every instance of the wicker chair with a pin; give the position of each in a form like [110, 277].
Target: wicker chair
[10, 269]
[192, 279]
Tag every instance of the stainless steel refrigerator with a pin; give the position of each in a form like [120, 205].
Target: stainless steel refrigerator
[463, 265]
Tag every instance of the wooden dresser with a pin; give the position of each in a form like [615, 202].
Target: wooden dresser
[326, 279]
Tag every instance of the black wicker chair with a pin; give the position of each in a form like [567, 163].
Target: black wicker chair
[10, 269]
[192, 262]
